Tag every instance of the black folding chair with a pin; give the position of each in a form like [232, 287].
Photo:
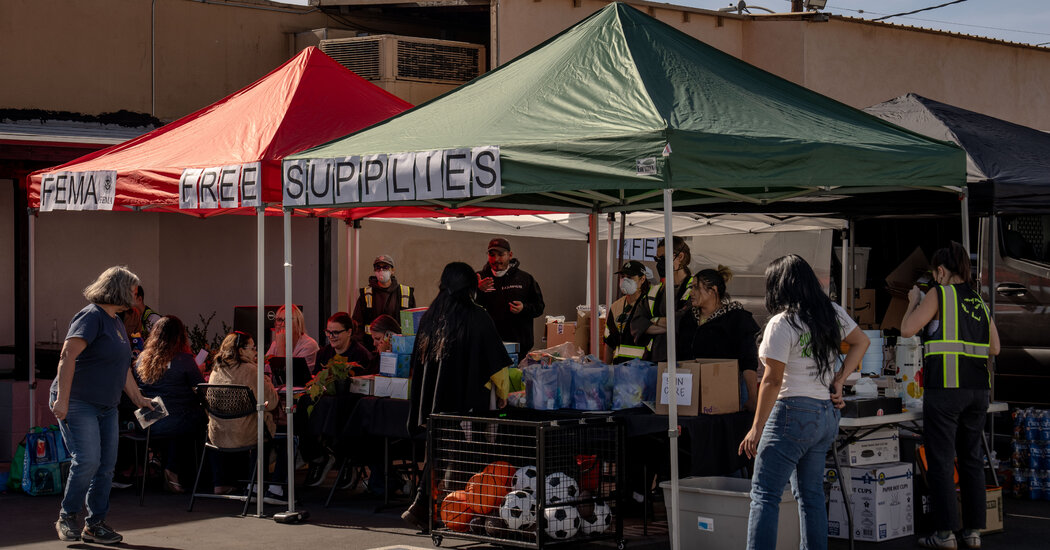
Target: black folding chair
[226, 402]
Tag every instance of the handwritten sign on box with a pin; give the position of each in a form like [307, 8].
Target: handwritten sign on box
[714, 387]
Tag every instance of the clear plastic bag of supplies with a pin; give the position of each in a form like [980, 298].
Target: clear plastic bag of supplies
[635, 384]
[547, 387]
[591, 385]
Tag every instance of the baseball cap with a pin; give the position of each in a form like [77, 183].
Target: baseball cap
[383, 259]
[501, 243]
[633, 269]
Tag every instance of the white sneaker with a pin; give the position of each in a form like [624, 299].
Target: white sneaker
[937, 541]
[972, 538]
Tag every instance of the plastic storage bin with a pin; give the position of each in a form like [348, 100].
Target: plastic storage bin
[713, 513]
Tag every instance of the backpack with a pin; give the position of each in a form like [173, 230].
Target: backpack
[46, 462]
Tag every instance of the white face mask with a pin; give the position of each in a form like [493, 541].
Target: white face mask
[383, 275]
[500, 273]
[628, 286]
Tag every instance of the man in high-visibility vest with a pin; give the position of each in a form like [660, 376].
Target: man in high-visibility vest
[382, 296]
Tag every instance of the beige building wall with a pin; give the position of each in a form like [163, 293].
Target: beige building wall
[98, 56]
[858, 63]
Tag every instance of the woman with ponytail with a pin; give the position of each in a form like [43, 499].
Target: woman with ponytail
[715, 326]
[457, 351]
[959, 337]
[796, 420]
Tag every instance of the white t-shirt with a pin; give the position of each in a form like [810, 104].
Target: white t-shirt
[782, 342]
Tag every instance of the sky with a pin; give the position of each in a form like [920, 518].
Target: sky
[1024, 21]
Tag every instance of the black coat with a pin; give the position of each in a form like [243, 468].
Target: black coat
[729, 336]
[515, 286]
[457, 384]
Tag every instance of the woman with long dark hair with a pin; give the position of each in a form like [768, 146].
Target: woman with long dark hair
[166, 368]
[796, 420]
[960, 336]
[718, 326]
[457, 351]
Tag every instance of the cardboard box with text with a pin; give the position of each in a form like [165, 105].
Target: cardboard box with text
[705, 386]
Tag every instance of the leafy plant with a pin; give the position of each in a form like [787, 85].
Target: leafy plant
[201, 339]
[337, 369]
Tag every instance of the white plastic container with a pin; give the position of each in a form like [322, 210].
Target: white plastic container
[713, 513]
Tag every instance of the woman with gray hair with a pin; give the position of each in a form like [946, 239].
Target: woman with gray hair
[93, 368]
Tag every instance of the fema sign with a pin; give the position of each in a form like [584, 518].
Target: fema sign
[230, 186]
[94, 190]
[445, 174]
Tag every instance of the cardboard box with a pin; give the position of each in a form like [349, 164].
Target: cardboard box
[364, 385]
[863, 303]
[396, 388]
[583, 331]
[901, 279]
[707, 386]
[878, 447]
[881, 500]
[511, 347]
[994, 505]
[403, 344]
[894, 314]
[410, 319]
[560, 332]
[396, 365]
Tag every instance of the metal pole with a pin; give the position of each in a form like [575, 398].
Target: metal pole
[32, 319]
[288, 376]
[965, 214]
[993, 257]
[609, 262]
[845, 284]
[355, 270]
[260, 338]
[592, 280]
[672, 380]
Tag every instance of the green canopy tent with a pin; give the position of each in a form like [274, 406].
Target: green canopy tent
[619, 112]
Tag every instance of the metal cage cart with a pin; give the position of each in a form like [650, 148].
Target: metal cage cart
[525, 483]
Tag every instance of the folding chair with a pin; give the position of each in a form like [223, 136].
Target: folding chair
[226, 402]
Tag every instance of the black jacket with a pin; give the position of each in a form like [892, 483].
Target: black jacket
[515, 286]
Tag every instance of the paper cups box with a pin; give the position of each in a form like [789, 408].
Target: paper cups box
[705, 386]
[396, 388]
[402, 344]
[878, 447]
[881, 499]
[410, 320]
[396, 365]
[364, 385]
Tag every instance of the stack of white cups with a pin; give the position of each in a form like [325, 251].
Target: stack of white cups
[872, 361]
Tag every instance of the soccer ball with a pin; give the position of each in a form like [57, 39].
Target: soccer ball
[524, 479]
[598, 522]
[518, 510]
[561, 522]
[561, 488]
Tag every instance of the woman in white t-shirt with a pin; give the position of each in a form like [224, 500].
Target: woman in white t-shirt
[796, 419]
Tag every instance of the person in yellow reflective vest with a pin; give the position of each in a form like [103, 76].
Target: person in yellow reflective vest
[683, 280]
[628, 319]
[958, 339]
[382, 296]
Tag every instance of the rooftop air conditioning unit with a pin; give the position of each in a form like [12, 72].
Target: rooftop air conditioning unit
[389, 57]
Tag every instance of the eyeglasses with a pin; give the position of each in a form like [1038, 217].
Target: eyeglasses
[277, 321]
[332, 333]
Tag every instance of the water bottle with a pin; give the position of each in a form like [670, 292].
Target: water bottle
[1032, 431]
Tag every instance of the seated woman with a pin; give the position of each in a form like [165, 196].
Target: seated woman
[382, 329]
[302, 345]
[340, 343]
[715, 327]
[235, 364]
[166, 369]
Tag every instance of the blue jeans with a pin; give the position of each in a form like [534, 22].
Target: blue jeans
[794, 445]
[91, 434]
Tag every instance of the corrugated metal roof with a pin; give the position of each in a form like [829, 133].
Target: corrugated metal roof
[65, 131]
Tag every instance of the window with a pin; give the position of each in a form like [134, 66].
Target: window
[1027, 238]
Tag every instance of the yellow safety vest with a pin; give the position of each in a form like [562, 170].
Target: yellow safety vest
[405, 292]
[955, 344]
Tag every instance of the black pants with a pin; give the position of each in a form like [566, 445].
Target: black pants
[953, 425]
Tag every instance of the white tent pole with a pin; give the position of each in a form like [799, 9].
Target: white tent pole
[609, 263]
[260, 339]
[965, 213]
[672, 378]
[592, 281]
[31, 333]
[288, 376]
[353, 262]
